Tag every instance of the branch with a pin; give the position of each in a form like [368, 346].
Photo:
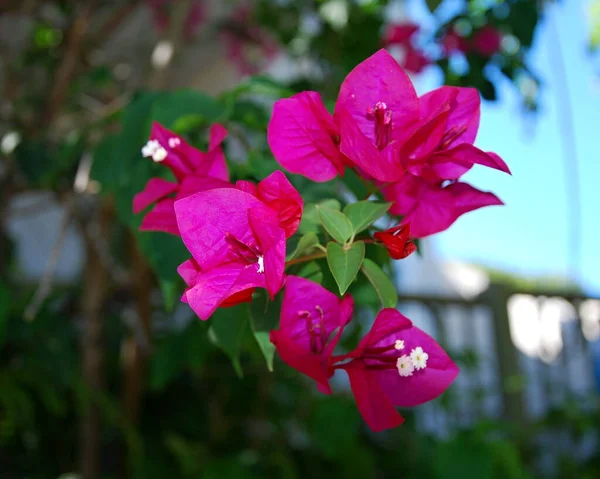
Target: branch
[45, 287]
[68, 65]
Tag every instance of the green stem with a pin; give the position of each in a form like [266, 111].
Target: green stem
[304, 259]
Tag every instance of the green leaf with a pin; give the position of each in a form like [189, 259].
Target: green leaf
[433, 4]
[310, 218]
[336, 224]
[306, 242]
[165, 253]
[227, 330]
[384, 287]
[264, 317]
[344, 262]
[364, 213]
[311, 271]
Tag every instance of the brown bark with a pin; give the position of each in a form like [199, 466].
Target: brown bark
[94, 296]
[137, 346]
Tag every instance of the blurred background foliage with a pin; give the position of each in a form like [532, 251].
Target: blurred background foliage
[107, 374]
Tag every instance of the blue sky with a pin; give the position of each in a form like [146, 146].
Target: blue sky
[530, 234]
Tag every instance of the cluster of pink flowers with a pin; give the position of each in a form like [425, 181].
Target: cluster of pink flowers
[394, 364]
[413, 149]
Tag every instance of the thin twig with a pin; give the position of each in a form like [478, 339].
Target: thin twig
[45, 287]
[66, 69]
[304, 259]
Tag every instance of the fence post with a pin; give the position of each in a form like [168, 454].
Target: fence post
[509, 368]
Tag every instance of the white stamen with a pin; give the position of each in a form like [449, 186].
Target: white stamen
[173, 142]
[419, 358]
[405, 366]
[261, 264]
[159, 155]
[399, 344]
[150, 148]
[154, 150]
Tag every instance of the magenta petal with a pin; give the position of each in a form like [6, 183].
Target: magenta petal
[278, 193]
[363, 153]
[300, 138]
[464, 110]
[374, 406]
[155, 189]
[305, 297]
[204, 218]
[426, 138]
[161, 218]
[217, 134]
[378, 79]
[346, 311]
[216, 164]
[388, 322]
[212, 288]
[312, 365]
[449, 163]
[180, 159]
[188, 270]
[192, 184]
[310, 315]
[247, 186]
[424, 384]
[467, 198]
[271, 241]
[430, 208]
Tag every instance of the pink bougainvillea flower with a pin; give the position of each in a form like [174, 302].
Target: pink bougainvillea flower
[395, 364]
[487, 41]
[375, 104]
[161, 12]
[304, 137]
[399, 39]
[380, 98]
[397, 242]
[305, 339]
[434, 207]
[237, 240]
[193, 169]
[439, 146]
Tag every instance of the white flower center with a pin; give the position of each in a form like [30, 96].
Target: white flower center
[261, 264]
[174, 142]
[419, 358]
[399, 344]
[154, 150]
[405, 366]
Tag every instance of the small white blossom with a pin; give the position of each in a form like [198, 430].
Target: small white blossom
[150, 148]
[174, 142]
[159, 155]
[405, 366]
[419, 358]
[261, 264]
[154, 150]
[399, 344]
